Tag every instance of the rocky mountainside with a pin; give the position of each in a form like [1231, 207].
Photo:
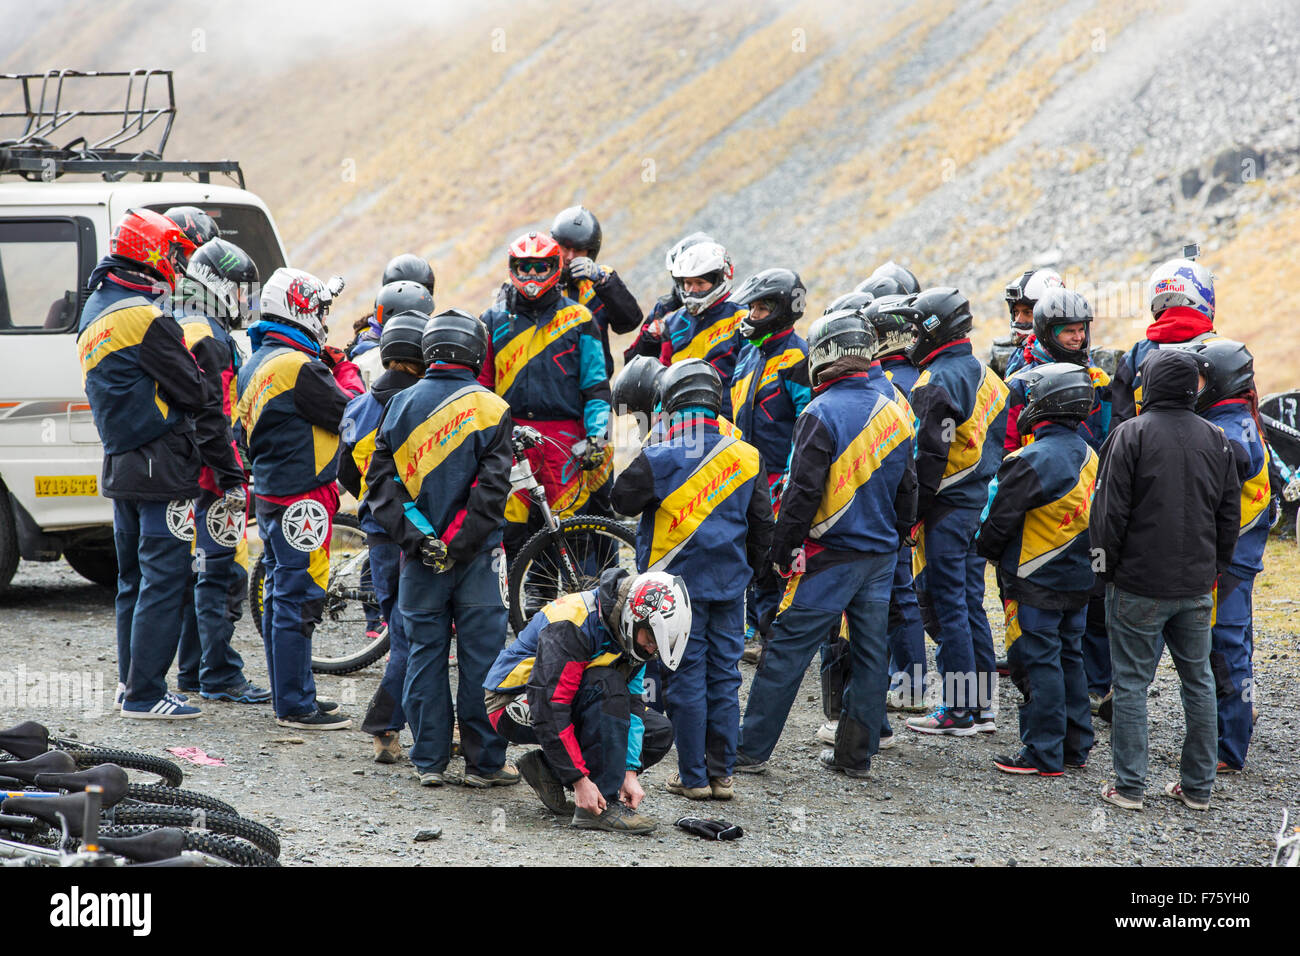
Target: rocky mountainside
[969, 139]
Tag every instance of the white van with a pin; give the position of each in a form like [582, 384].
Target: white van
[52, 233]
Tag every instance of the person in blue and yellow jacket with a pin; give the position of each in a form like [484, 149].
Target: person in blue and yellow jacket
[573, 682]
[1229, 400]
[1034, 527]
[960, 408]
[146, 392]
[546, 360]
[851, 494]
[402, 353]
[291, 408]
[769, 391]
[212, 298]
[438, 482]
[706, 325]
[706, 516]
[650, 338]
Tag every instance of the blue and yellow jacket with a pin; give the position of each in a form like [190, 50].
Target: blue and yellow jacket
[711, 336]
[441, 464]
[361, 420]
[547, 661]
[900, 370]
[1234, 417]
[219, 361]
[545, 359]
[768, 392]
[291, 411]
[1181, 328]
[705, 509]
[961, 407]
[1035, 522]
[1095, 427]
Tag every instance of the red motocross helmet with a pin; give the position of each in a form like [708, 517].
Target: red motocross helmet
[152, 241]
[535, 264]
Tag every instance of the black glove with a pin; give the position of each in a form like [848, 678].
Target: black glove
[710, 829]
[433, 554]
[331, 355]
[593, 453]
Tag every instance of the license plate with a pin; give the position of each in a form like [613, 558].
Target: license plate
[67, 486]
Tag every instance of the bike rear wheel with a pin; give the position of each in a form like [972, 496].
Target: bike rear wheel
[555, 563]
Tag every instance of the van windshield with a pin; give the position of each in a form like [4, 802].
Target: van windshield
[248, 228]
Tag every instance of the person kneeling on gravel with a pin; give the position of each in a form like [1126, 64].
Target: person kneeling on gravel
[572, 682]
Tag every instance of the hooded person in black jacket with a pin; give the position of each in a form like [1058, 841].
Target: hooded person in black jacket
[1164, 526]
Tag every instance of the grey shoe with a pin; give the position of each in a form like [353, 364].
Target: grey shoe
[537, 773]
[432, 779]
[504, 777]
[1112, 796]
[744, 764]
[615, 818]
[827, 760]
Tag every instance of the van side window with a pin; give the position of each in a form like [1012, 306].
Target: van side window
[39, 275]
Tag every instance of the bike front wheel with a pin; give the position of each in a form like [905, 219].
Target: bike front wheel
[570, 558]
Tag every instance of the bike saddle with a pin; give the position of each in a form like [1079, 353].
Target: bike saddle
[161, 844]
[51, 810]
[107, 775]
[53, 761]
[25, 740]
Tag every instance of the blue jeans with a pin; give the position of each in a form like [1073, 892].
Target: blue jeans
[385, 712]
[703, 694]
[153, 574]
[468, 597]
[1231, 646]
[1047, 666]
[861, 590]
[1135, 624]
[953, 583]
[1096, 647]
[907, 663]
[207, 659]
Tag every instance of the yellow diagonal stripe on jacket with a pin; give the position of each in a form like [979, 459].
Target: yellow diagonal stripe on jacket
[1255, 495]
[465, 412]
[706, 339]
[532, 342]
[887, 428]
[967, 446]
[730, 464]
[1050, 528]
[740, 390]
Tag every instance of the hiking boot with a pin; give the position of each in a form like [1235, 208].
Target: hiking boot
[1021, 764]
[1112, 796]
[827, 760]
[170, 707]
[1175, 792]
[676, 786]
[537, 773]
[504, 777]
[615, 818]
[826, 732]
[753, 651]
[388, 747]
[434, 778]
[944, 721]
[245, 693]
[316, 720]
[985, 721]
[744, 764]
[722, 788]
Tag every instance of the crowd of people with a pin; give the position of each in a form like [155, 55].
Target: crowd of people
[840, 494]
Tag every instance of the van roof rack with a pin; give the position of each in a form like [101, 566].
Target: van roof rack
[48, 107]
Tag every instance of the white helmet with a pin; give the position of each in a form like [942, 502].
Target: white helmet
[703, 260]
[676, 250]
[298, 298]
[660, 602]
[1182, 282]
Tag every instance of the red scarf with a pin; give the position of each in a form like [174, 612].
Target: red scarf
[1179, 324]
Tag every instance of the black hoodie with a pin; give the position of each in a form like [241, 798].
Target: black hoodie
[1164, 520]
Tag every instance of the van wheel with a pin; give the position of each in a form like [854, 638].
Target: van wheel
[97, 565]
[8, 539]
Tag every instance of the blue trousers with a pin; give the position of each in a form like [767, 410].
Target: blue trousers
[703, 694]
[207, 659]
[1096, 647]
[1232, 643]
[153, 574]
[953, 582]
[907, 663]
[811, 609]
[468, 597]
[292, 604]
[1047, 665]
[385, 711]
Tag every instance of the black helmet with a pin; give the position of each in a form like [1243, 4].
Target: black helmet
[402, 296]
[224, 279]
[577, 228]
[197, 225]
[456, 337]
[940, 315]
[636, 387]
[876, 286]
[900, 274]
[849, 301]
[1058, 307]
[1230, 370]
[690, 382]
[894, 332]
[1058, 392]
[786, 293]
[402, 339]
[836, 335]
[410, 268]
